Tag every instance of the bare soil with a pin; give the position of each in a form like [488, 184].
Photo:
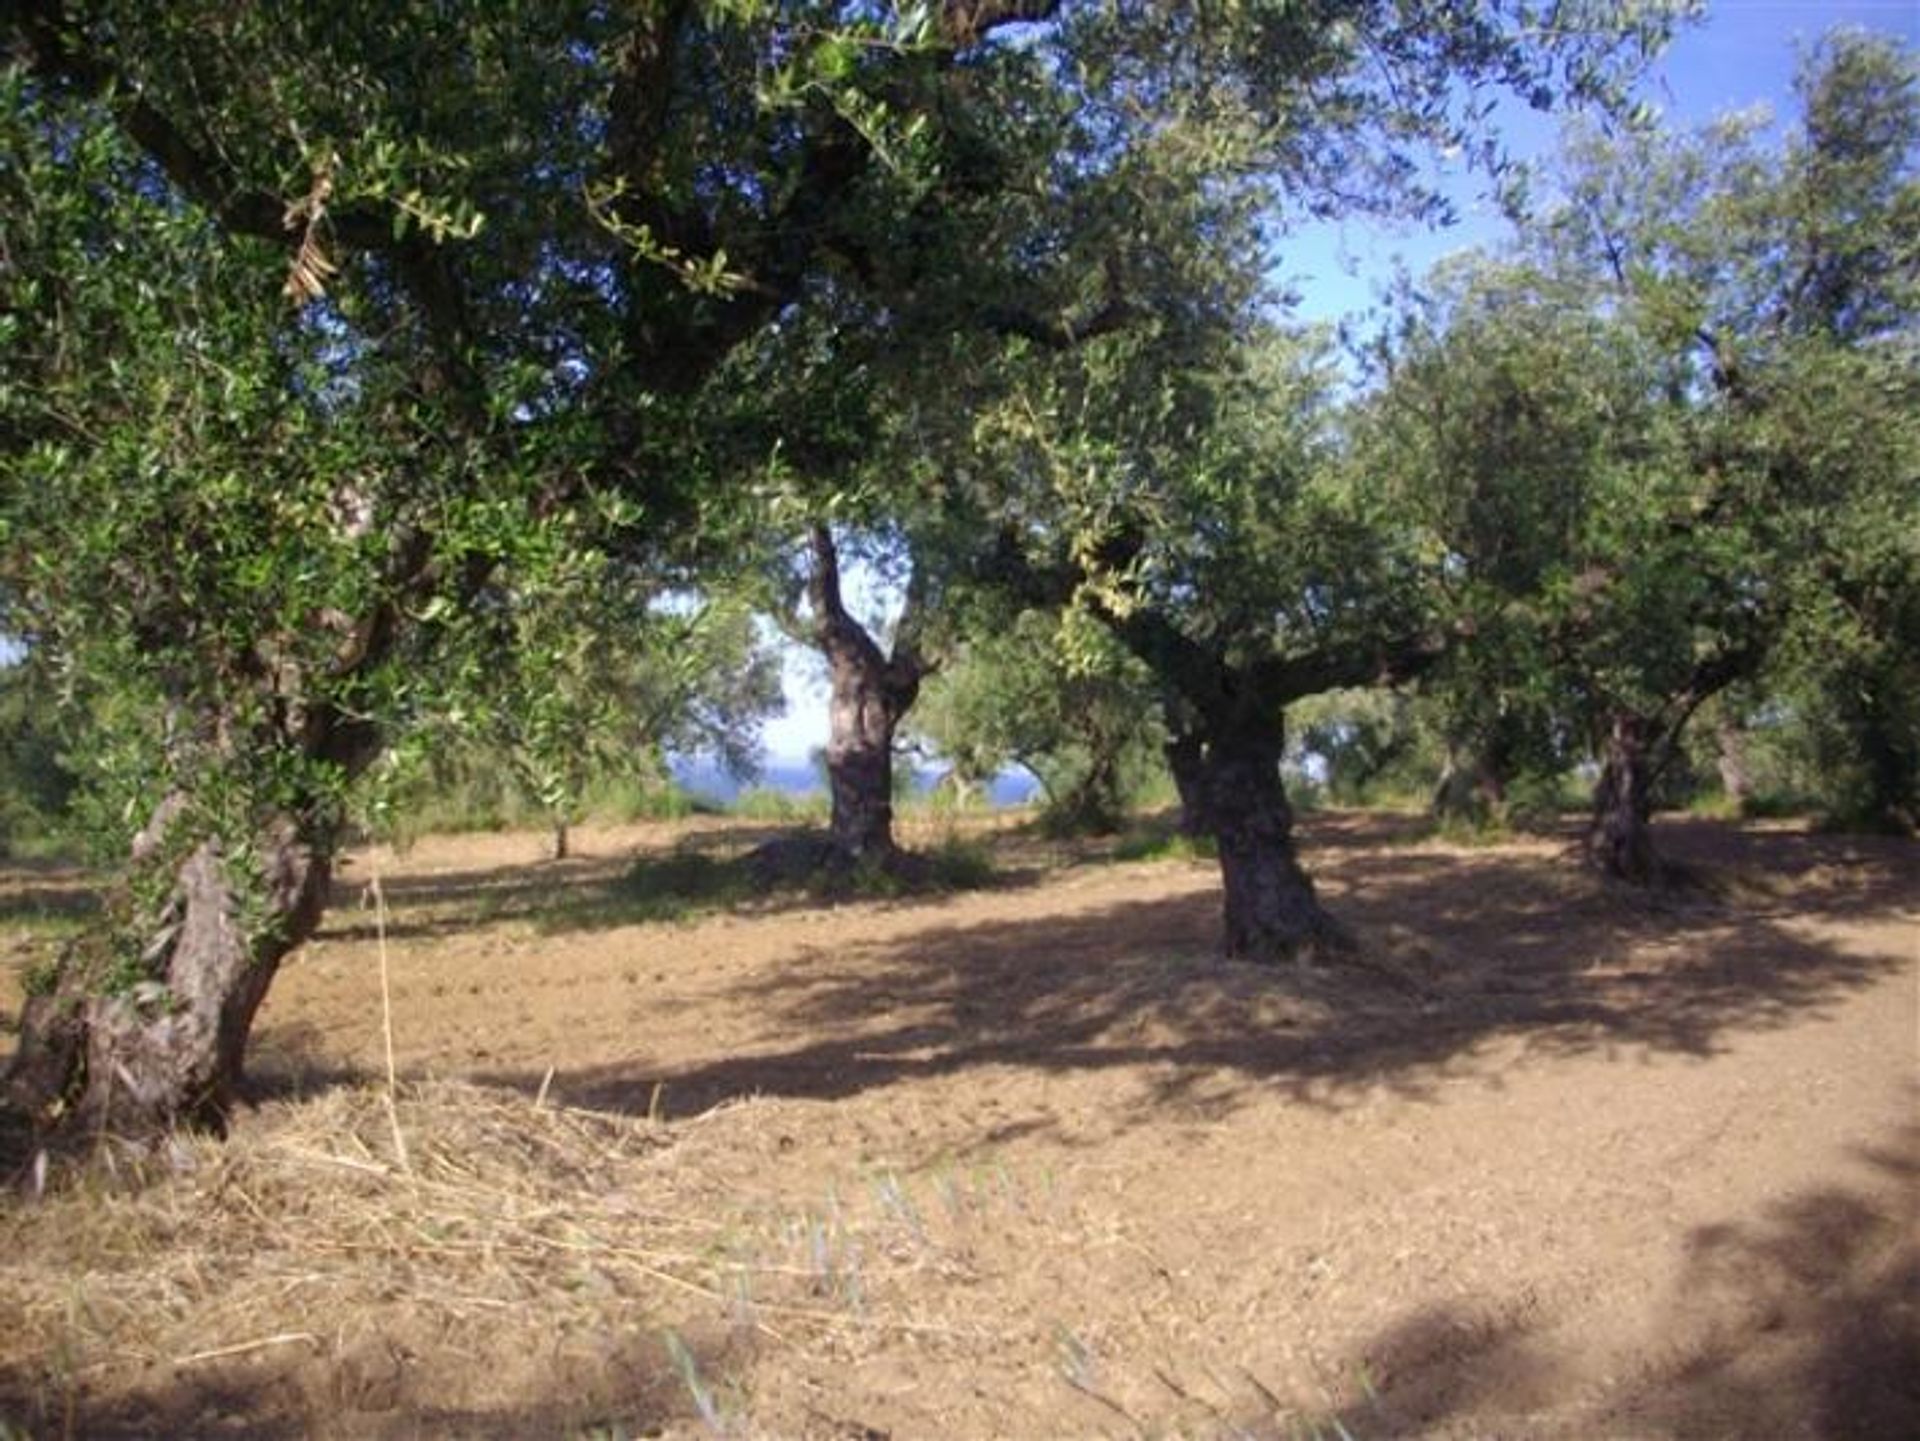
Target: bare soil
[1550, 1159]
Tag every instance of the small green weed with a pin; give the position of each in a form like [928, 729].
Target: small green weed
[718, 1418]
[683, 883]
[1156, 844]
[958, 864]
[1467, 832]
[762, 803]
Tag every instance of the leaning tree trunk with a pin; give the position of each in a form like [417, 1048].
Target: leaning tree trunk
[145, 1024]
[1619, 839]
[1271, 910]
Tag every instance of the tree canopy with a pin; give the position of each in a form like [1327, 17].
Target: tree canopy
[343, 343]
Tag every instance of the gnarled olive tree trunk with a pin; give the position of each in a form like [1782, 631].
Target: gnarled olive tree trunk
[145, 1023]
[864, 713]
[871, 692]
[1472, 785]
[1619, 838]
[1235, 793]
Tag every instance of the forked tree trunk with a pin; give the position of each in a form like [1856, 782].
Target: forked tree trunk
[871, 692]
[863, 714]
[149, 1029]
[1619, 838]
[1271, 911]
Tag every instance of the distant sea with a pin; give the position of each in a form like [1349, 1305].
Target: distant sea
[801, 778]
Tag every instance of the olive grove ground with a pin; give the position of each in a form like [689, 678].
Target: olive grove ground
[1027, 1160]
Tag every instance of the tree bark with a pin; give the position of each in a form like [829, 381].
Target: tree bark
[862, 718]
[161, 1041]
[1470, 787]
[1185, 755]
[1097, 805]
[1619, 839]
[1736, 779]
[1271, 910]
[871, 691]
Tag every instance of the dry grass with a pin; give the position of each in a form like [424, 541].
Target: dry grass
[305, 1264]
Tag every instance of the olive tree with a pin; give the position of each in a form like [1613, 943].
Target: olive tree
[516, 243]
[1644, 437]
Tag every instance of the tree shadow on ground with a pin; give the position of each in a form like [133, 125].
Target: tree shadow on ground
[683, 883]
[1804, 1323]
[1459, 950]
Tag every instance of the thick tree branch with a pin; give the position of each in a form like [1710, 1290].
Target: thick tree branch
[1711, 675]
[49, 34]
[968, 22]
[677, 339]
[639, 113]
[833, 629]
[1195, 673]
[1344, 667]
[910, 663]
[1116, 312]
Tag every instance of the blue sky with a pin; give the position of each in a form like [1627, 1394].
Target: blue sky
[1743, 53]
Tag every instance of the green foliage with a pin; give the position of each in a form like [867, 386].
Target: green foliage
[1058, 698]
[233, 533]
[1668, 441]
[1526, 430]
[36, 785]
[1364, 747]
[1157, 843]
[1193, 484]
[363, 369]
[580, 686]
